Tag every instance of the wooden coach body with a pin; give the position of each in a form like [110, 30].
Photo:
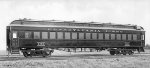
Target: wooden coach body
[28, 34]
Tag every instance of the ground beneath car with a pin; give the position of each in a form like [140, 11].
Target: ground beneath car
[62, 59]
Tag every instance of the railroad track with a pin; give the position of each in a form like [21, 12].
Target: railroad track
[72, 56]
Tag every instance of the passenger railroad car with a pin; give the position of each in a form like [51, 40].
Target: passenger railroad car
[33, 37]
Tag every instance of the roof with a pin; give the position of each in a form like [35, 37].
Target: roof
[50, 23]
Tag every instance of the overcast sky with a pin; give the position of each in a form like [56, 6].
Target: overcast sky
[116, 11]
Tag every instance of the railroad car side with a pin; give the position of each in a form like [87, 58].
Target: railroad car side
[8, 40]
[40, 39]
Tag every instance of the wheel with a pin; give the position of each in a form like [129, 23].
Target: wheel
[130, 52]
[117, 52]
[124, 52]
[25, 54]
[112, 52]
[44, 54]
[31, 54]
[50, 53]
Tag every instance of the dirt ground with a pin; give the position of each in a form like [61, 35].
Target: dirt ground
[61, 59]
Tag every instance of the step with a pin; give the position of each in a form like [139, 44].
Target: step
[15, 52]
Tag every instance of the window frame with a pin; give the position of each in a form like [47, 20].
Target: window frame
[29, 33]
[102, 36]
[129, 38]
[81, 38]
[142, 37]
[65, 36]
[39, 35]
[22, 34]
[14, 34]
[105, 37]
[124, 36]
[86, 37]
[75, 34]
[52, 37]
[135, 38]
[60, 37]
[94, 38]
[42, 37]
[138, 37]
[112, 37]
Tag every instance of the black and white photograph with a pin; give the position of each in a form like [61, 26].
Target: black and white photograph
[75, 34]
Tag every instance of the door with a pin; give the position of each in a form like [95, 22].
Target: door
[15, 43]
[14, 39]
